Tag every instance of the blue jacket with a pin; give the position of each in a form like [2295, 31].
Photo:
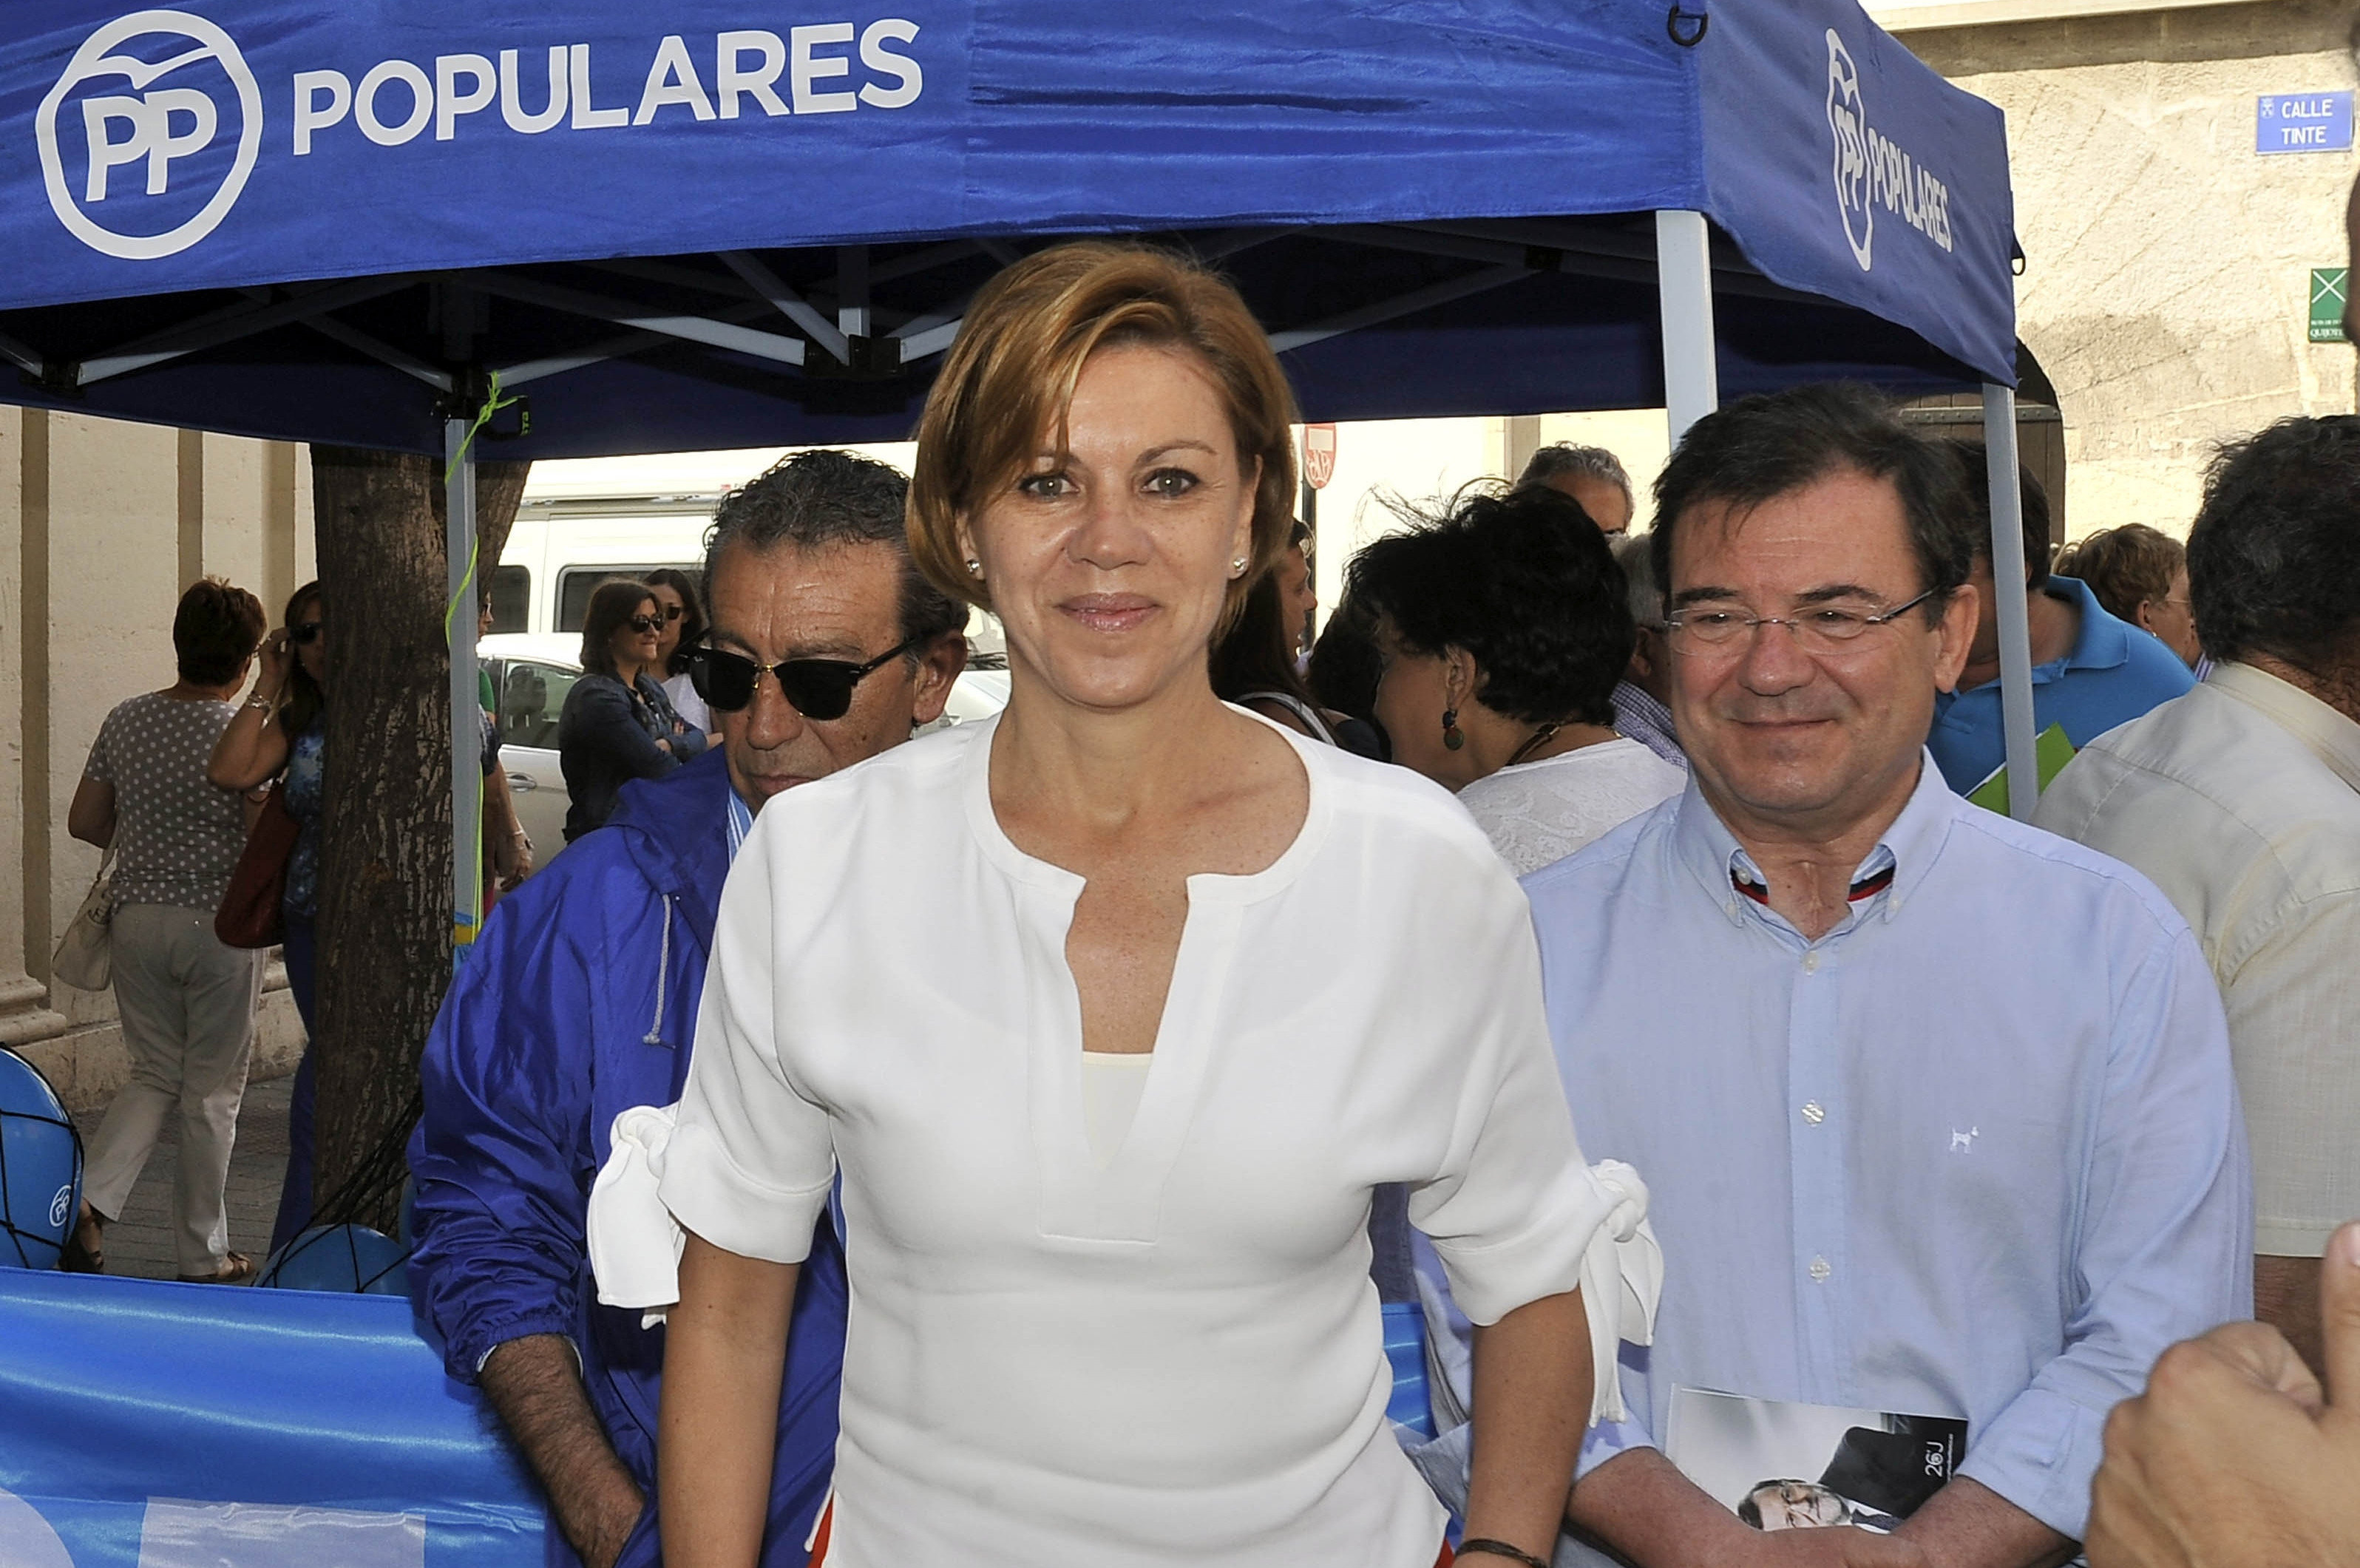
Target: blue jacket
[579, 1001]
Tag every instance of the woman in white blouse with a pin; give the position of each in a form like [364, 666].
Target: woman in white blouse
[1505, 624]
[1112, 1013]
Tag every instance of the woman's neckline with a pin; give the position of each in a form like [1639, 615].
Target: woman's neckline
[1244, 886]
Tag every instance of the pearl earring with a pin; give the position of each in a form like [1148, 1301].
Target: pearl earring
[1237, 566]
[974, 567]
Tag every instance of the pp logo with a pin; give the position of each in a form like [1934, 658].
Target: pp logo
[60, 1205]
[1848, 126]
[157, 108]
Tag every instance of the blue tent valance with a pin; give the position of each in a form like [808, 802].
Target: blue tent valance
[697, 224]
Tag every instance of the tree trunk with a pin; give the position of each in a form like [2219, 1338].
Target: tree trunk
[499, 491]
[385, 831]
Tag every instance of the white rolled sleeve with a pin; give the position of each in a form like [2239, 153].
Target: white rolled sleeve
[1516, 1214]
[751, 1159]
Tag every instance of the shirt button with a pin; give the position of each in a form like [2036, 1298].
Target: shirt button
[1810, 964]
[1820, 1269]
[1814, 1113]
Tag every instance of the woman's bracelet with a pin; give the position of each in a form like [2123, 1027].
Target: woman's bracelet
[1484, 1544]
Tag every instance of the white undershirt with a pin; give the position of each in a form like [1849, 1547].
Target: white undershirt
[1112, 1081]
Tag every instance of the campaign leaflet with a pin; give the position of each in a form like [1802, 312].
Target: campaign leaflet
[1779, 1465]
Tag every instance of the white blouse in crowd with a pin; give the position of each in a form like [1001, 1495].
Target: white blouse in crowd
[1536, 812]
[1173, 1357]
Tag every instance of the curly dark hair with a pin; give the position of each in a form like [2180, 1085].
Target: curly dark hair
[1525, 584]
[822, 498]
[2274, 557]
[1773, 444]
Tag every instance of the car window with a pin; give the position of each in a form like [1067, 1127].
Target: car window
[511, 598]
[533, 696]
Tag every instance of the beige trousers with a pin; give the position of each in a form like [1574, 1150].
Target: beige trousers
[188, 1005]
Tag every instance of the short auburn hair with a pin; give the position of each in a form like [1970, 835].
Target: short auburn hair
[2125, 567]
[1010, 377]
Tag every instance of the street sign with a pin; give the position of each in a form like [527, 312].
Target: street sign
[2330, 286]
[2303, 122]
[1318, 455]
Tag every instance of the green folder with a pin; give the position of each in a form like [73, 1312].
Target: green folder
[2050, 752]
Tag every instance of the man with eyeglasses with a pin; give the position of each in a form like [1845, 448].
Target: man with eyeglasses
[1936, 1110]
[580, 1002]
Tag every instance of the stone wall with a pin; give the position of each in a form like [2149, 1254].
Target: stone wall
[102, 526]
[2166, 264]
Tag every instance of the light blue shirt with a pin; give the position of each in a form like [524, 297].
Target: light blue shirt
[2116, 673]
[1975, 1152]
[741, 823]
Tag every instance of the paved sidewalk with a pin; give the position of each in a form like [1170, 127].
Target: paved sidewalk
[140, 1243]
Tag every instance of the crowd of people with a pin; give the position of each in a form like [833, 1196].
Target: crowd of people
[991, 1149]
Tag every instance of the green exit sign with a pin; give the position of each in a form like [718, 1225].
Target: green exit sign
[2327, 287]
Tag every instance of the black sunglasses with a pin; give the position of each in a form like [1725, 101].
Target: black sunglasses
[304, 634]
[819, 687]
[645, 624]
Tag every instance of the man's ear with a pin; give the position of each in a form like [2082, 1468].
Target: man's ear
[938, 671]
[1956, 636]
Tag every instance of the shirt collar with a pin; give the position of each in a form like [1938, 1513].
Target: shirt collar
[2105, 641]
[741, 823]
[2324, 732]
[1907, 847]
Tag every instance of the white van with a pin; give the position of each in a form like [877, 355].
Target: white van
[586, 520]
[559, 551]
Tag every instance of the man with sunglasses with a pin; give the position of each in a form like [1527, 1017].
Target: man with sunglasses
[580, 1002]
[1936, 1110]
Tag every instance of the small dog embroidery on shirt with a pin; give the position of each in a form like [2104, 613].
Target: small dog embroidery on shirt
[1965, 1142]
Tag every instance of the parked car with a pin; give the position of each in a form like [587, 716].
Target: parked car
[533, 671]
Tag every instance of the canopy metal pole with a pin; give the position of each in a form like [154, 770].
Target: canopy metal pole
[2007, 580]
[466, 725]
[1684, 295]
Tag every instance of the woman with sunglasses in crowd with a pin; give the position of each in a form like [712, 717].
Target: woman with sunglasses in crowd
[281, 729]
[617, 725]
[683, 629]
[1113, 1012]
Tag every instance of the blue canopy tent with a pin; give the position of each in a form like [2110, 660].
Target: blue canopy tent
[333, 221]
[668, 227]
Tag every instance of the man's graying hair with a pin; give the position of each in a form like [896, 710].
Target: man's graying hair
[1583, 461]
[820, 498]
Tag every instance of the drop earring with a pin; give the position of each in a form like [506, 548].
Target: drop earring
[1453, 737]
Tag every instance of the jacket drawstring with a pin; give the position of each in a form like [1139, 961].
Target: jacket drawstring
[663, 968]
